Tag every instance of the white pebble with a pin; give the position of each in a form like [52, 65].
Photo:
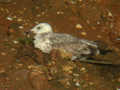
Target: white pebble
[78, 26]
[20, 27]
[83, 69]
[15, 42]
[77, 84]
[9, 18]
[98, 22]
[110, 14]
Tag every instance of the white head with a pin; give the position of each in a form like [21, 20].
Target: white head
[42, 28]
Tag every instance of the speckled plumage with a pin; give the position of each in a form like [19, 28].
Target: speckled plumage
[46, 40]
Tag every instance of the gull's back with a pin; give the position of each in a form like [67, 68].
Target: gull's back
[73, 45]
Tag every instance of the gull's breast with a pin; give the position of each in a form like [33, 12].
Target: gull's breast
[43, 43]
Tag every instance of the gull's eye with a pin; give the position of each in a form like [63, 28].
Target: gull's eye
[38, 28]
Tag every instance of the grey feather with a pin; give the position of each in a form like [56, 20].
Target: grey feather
[48, 40]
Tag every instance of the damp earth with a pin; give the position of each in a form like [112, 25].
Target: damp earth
[23, 67]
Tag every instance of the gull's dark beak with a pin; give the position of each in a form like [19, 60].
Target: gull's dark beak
[28, 34]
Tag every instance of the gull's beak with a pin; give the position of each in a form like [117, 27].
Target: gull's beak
[29, 34]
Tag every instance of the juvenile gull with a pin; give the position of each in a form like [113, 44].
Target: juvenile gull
[46, 40]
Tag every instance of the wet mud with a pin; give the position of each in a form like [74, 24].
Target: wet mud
[23, 67]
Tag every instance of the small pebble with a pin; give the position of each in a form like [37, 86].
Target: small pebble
[83, 33]
[13, 49]
[20, 27]
[77, 84]
[110, 14]
[59, 12]
[67, 68]
[15, 42]
[88, 22]
[76, 75]
[83, 69]
[7, 11]
[43, 13]
[38, 15]
[3, 53]
[24, 9]
[68, 84]
[50, 77]
[1, 9]
[2, 71]
[78, 26]
[91, 83]
[19, 20]
[9, 18]
[36, 22]
[98, 22]
[17, 78]
[99, 36]
[20, 65]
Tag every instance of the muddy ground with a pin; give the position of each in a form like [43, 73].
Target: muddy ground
[22, 67]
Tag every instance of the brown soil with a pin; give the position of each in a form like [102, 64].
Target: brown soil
[23, 67]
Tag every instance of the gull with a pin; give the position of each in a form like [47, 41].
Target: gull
[46, 40]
